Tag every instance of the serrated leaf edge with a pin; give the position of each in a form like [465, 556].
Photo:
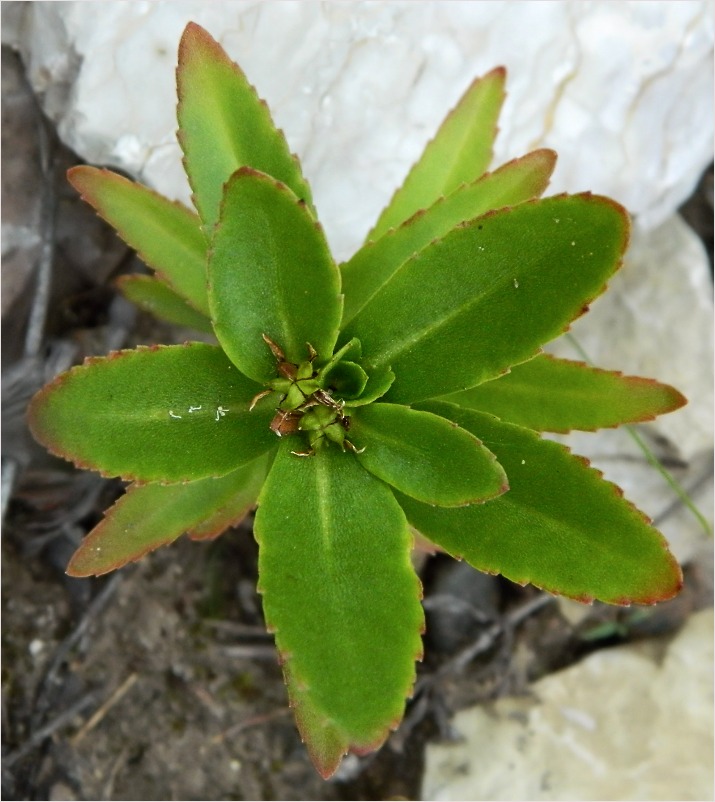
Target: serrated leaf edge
[327, 769]
[88, 361]
[579, 313]
[679, 400]
[623, 601]
[497, 71]
[87, 198]
[196, 32]
[440, 202]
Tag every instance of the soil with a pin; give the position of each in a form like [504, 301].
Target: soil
[160, 681]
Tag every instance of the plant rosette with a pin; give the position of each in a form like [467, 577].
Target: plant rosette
[403, 388]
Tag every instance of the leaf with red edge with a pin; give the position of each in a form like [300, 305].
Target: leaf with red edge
[271, 273]
[341, 595]
[425, 456]
[557, 395]
[489, 294]
[237, 507]
[224, 125]
[158, 414]
[376, 262]
[149, 516]
[165, 234]
[459, 153]
[560, 526]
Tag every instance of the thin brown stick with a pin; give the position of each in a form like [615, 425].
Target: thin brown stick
[102, 711]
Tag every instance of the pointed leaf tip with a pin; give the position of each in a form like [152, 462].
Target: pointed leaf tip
[517, 276]
[425, 456]
[152, 515]
[153, 414]
[561, 526]
[224, 125]
[559, 395]
[459, 153]
[375, 263]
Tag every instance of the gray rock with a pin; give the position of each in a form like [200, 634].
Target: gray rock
[634, 722]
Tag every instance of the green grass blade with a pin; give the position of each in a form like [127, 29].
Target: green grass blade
[668, 477]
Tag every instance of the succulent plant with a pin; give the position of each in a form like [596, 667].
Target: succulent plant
[405, 388]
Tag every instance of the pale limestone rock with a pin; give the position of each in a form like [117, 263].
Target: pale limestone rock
[625, 723]
[623, 91]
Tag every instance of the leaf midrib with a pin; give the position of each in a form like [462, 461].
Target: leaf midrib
[388, 356]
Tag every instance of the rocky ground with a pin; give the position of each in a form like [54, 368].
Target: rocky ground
[160, 682]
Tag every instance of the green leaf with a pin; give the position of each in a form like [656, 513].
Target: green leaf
[425, 456]
[165, 234]
[154, 296]
[558, 395]
[376, 262]
[270, 272]
[344, 379]
[459, 153]
[489, 294]
[237, 507]
[560, 527]
[224, 125]
[149, 516]
[158, 414]
[378, 383]
[341, 596]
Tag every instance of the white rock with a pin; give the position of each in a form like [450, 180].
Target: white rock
[623, 91]
[625, 723]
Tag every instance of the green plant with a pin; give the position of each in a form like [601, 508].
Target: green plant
[403, 387]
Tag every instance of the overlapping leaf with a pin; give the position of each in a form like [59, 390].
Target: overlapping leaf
[425, 456]
[159, 414]
[224, 125]
[341, 595]
[270, 272]
[489, 294]
[152, 515]
[558, 395]
[459, 153]
[560, 526]
[375, 263]
[237, 506]
[165, 234]
[155, 297]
